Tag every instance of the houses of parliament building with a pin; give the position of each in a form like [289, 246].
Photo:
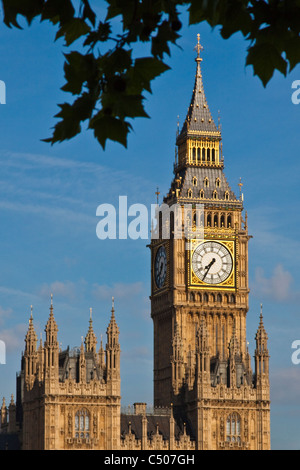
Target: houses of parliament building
[207, 396]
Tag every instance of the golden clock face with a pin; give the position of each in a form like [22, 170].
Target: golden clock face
[212, 262]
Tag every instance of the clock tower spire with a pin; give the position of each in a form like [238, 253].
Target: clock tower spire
[199, 294]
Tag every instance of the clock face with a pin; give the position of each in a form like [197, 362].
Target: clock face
[212, 262]
[160, 266]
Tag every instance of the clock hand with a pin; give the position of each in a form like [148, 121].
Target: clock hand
[161, 267]
[208, 267]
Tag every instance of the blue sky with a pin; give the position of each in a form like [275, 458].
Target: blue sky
[49, 196]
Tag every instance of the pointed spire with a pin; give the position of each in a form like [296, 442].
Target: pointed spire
[199, 120]
[31, 336]
[90, 339]
[101, 355]
[51, 326]
[261, 334]
[261, 353]
[234, 347]
[113, 327]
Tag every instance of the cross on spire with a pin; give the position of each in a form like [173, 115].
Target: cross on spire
[198, 47]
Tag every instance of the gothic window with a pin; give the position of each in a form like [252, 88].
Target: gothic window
[233, 428]
[218, 182]
[190, 193]
[219, 298]
[201, 194]
[229, 221]
[194, 181]
[203, 154]
[206, 182]
[226, 196]
[213, 155]
[215, 220]
[222, 220]
[198, 155]
[215, 194]
[82, 424]
[205, 298]
[208, 155]
[209, 220]
[194, 155]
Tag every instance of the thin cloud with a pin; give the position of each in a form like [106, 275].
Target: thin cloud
[285, 385]
[119, 290]
[63, 289]
[277, 287]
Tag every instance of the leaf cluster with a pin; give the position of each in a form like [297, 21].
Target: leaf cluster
[107, 83]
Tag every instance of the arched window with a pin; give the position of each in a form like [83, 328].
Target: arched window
[201, 194]
[215, 194]
[215, 220]
[219, 298]
[82, 424]
[206, 182]
[190, 193]
[222, 220]
[194, 155]
[218, 182]
[233, 428]
[213, 158]
[194, 181]
[208, 155]
[229, 221]
[226, 196]
[203, 154]
[209, 220]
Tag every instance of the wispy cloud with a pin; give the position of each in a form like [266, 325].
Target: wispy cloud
[67, 191]
[277, 287]
[119, 290]
[4, 313]
[63, 290]
[285, 385]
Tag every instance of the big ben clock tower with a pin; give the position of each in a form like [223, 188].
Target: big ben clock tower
[199, 296]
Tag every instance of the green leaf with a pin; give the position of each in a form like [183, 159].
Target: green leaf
[88, 12]
[125, 105]
[145, 69]
[265, 58]
[107, 127]
[58, 11]
[72, 30]
[79, 69]
[67, 128]
[160, 42]
[292, 48]
[29, 9]
[101, 34]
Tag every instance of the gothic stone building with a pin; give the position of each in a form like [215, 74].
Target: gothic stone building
[206, 395]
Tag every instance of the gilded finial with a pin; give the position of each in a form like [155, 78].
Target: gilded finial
[157, 194]
[91, 313]
[240, 184]
[198, 48]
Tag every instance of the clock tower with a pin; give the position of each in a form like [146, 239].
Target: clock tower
[199, 296]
